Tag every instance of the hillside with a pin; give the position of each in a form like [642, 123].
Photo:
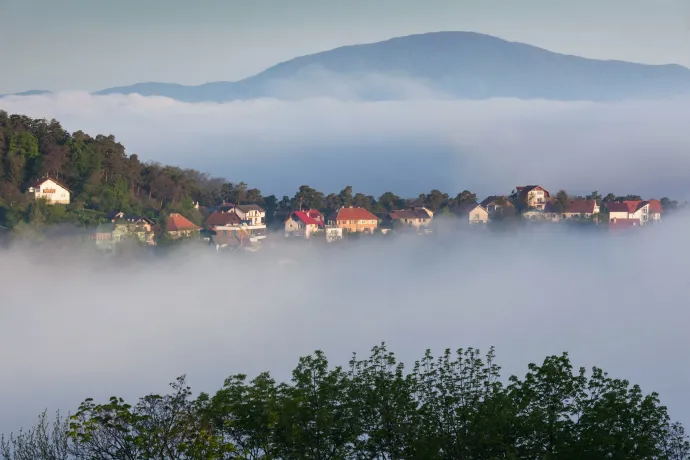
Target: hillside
[455, 64]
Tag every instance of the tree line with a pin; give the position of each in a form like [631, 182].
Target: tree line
[455, 406]
[103, 178]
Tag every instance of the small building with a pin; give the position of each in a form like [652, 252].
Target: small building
[534, 196]
[333, 233]
[416, 217]
[577, 209]
[139, 227]
[253, 213]
[497, 204]
[655, 211]
[473, 213]
[631, 210]
[178, 226]
[222, 219]
[300, 225]
[354, 220]
[50, 190]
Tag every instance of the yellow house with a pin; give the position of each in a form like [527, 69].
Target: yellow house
[354, 220]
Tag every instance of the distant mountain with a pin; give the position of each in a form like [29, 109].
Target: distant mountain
[32, 92]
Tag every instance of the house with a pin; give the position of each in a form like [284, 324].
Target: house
[354, 220]
[225, 241]
[632, 210]
[333, 233]
[252, 213]
[576, 209]
[497, 204]
[317, 216]
[140, 227]
[534, 196]
[178, 226]
[50, 190]
[300, 225]
[222, 219]
[655, 211]
[416, 217]
[475, 213]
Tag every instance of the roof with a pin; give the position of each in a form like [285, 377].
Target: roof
[626, 206]
[529, 188]
[304, 217]
[222, 218]
[581, 206]
[132, 218]
[317, 216]
[178, 222]
[353, 214]
[466, 208]
[655, 207]
[493, 198]
[38, 182]
[416, 213]
[249, 207]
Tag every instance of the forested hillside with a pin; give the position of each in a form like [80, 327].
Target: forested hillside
[456, 406]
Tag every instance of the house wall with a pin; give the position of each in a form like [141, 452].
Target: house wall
[536, 199]
[298, 228]
[367, 226]
[52, 192]
[182, 234]
[333, 234]
[478, 215]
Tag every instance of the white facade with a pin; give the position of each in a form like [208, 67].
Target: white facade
[254, 214]
[333, 233]
[50, 191]
[254, 232]
[641, 214]
[295, 228]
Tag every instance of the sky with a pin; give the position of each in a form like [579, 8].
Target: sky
[99, 329]
[95, 44]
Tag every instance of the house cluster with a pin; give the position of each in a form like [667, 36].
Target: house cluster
[231, 225]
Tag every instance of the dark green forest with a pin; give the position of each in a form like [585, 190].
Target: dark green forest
[456, 406]
[103, 177]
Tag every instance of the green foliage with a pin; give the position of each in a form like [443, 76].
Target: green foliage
[455, 406]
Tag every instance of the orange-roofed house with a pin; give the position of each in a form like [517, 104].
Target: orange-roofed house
[354, 220]
[179, 226]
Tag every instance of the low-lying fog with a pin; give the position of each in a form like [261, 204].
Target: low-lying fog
[408, 146]
[73, 326]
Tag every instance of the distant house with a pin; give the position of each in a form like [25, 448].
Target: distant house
[576, 209]
[178, 226]
[317, 216]
[354, 220]
[497, 204]
[637, 211]
[416, 217]
[252, 213]
[50, 190]
[475, 213]
[534, 196]
[655, 211]
[333, 233]
[300, 225]
[225, 241]
[140, 227]
[221, 219]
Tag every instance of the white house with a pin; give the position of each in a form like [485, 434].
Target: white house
[50, 190]
[300, 225]
[251, 213]
[629, 210]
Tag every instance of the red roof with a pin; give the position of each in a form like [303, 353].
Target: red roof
[178, 222]
[222, 218]
[626, 206]
[301, 215]
[581, 206]
[655, 207]
[354, 214]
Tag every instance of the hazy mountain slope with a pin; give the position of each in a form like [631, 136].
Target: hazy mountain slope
[456, 64]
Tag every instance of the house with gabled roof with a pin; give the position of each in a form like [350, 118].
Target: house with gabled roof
[534, 196]
[50, 190]
[576, 209]
[472, 213]
[221, 219]
[655, 211]
[415, 217]
[354, 220]
[178, 226]
[636, 211]
[496, 204]
[300, 224]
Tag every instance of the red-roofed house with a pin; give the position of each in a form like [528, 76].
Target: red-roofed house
[221, 219]
[632, 210]
[300, 225]
[317, 216]
[581, 208]
[655, 210]
[179, 226]
[354, 220]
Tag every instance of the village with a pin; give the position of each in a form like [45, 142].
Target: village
[233, 226]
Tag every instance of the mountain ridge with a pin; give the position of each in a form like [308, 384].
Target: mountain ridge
[450, 64]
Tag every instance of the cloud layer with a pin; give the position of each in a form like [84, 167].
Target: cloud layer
[74, 326]
[407, 146]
